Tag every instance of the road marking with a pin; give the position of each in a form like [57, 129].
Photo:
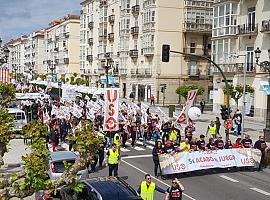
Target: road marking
[139, 149]
[229, 179]
[124, 149]
[138, 156]
[154, 178]
[260, 191]
[150, 147]
[139, 142]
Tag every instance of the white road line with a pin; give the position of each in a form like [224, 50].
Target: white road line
[138, 156]
[154, 178]
[229, 179]
[260, 191]
[139, 142]
[139, 149]
[124, 149]
[150, 147]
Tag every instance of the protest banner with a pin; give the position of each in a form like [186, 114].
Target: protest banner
[198, 160]
[111, 97]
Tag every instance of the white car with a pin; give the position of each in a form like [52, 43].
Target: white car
[19, 119]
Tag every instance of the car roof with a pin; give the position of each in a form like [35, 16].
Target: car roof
[111, 189]
[62, 155]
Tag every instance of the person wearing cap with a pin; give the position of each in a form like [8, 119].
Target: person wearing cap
[247, 142]
[212, 129]
[201, 143]
[262, 146]
[219, 144]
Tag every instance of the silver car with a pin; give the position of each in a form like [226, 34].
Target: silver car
[56, 166]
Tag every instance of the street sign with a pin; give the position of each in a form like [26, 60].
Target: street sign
[59, 83]
[228, 124]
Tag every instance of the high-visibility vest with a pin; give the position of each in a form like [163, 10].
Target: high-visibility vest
[212, 129]
[147, 193]
[117, 142]
[113, 157]
[183, 144]
[173, 135]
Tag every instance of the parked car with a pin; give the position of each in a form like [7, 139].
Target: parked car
[102, 188]
[19, 119]
[56, 166]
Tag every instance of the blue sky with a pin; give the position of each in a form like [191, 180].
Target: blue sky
[18, 17]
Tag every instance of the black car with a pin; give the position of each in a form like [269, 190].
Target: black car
[106, 188]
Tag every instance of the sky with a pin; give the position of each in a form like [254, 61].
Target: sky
[19, 17]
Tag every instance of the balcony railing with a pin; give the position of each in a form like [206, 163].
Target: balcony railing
[195, 27]
[193, 72]
[111, 37]
[250, 67]
[90, 41]
[122, 71]
[265, 26]
[134, 53]
[102, 37]
[136, 10]
[148, 51]
[247, 29]
[133, 72]
[148, 72]
[111, 19]
[235, 68]
[134, 30]
[197, 51]
[66, 60]
[103, 3]
[91, 25]
[89, 58]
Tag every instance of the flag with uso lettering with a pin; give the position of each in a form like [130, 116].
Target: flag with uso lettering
[111, 98]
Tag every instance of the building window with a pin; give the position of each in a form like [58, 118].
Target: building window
[192, 47]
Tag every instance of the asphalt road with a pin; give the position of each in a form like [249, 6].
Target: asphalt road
[201, 185]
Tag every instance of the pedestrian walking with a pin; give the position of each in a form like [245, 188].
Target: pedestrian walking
[152, 99]
[147, 188]
[175, 191]
[113, 160]
[202, 104]
[133, 134]
[157, 150]
[218, 124]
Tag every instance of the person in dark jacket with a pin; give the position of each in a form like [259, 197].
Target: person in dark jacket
[262, 146]
[157, 150]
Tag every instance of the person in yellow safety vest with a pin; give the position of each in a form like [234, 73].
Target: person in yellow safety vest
[113, 160]
[212, 129]
[117, 140]
[147, 188]
[185, 146]
[173, 134]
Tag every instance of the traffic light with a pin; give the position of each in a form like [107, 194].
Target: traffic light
[162, 89]
[224, 112]
[165, 53]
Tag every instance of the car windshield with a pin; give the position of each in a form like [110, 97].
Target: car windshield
[60, 167]
[18, 116]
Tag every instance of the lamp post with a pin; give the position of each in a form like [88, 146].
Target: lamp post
[52, 67]
[15, 70]
[107, 66]
[266, 66]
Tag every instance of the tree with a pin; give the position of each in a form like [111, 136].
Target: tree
[7, 95]
[182, 91]
[236, 92]
[33, 177]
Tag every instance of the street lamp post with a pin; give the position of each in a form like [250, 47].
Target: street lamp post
[107, 66]
[52, 67]
[266, 66]
[15, 70]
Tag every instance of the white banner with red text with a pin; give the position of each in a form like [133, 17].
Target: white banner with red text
[199, 160]
[111, 97]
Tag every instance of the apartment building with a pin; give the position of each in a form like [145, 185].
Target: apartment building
[239, 27]
[127, 37]
[62, 46]
[16, 54]
[34, 52]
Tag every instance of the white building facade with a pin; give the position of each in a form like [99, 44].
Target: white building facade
[239, 27]
[127, 35]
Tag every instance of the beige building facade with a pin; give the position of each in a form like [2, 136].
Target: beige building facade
[62, 46]
[239, 28]
[127, 36]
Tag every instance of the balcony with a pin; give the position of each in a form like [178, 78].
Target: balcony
[247, 29]
[111, 19]
[91, 25]
[100, 56]
[56, 49]
[135, 10]
[193, 72]
[66, 60]
[103, 3]
[134, 31]
[89, 58]
[250, 68]
[134, 53]
[49, 40]
[265, 26]
[56, 61]
[148, 72]
[133, 72]
[148, 51]
[195, 27]
[197, 51]
[102, 37]
[90, 41]
[233, 68]
[111, 37]
[122, 71]
[108, 55]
